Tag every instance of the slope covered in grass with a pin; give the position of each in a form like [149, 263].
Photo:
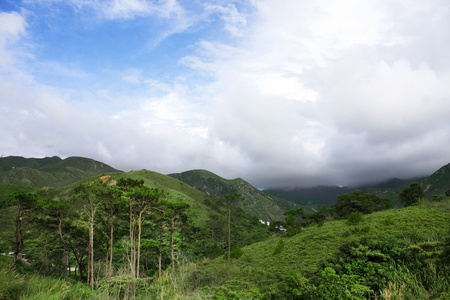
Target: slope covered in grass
[257, 203]
[49, 171]
[387, 245]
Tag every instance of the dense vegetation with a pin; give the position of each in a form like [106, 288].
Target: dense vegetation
[145, 235]
[49, 171]
[257, 203]
[393, 254]
[434, 185]
[120, 228]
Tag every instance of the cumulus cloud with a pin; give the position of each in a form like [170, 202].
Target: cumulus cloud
[305, 93]
[12, 28]
[234, 20]
[370, 98]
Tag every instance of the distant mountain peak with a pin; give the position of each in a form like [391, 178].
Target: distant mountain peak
[257, 203]
[49, 171]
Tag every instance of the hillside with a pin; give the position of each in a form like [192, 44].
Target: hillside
[293, 268]
[50, 171]
[392, 254]
[437, 183]
[257, 203]
[207, 214]
[324, 195]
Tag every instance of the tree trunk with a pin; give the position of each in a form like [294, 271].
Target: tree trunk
[229, 231]
[132, 243]
[59, 258]
[160, 251]
[111, 245]
[64, 258]
[172, 233]
[139, 243]
[91, 250]
[17, 234]
[106, 262]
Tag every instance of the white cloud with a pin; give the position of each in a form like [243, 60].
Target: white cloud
[234, 20]
[12, 28]
[307, 92]
[365, 101]
[129, 9]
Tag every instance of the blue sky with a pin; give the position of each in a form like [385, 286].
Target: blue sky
[279, 93]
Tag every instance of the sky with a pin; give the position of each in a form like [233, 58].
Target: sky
[281, 93]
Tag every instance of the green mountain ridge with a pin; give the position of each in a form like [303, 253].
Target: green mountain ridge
[257, 203]
[206, 212]
[298, 266]
[49, 171]
[399, 252]
[435, 184]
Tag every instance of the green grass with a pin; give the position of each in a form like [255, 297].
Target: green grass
[49, 171]
[264, 264]
[292, 266]
[23, 284]
[257, 203]
[202, 205]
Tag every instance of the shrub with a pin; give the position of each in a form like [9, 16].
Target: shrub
[354, 217]
[279, 247]
[411, 194]
[236, 251]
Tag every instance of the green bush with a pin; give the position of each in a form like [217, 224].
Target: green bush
[236, 251]
[354, 217]
[279, 247]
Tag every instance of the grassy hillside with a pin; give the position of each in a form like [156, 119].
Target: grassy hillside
[324, 195]
[257, 203]
[203, 205]
[205, 212]
[437, 183]
[270, 268]
[393, 254]
[49, 171]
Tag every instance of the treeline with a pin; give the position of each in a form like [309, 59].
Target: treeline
[351, 206]
[108, 233]
[122, 239]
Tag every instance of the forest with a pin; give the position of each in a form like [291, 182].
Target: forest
[142, 235]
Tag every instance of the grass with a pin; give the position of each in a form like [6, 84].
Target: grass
[306, 252]
[262, 271]
[31, 286]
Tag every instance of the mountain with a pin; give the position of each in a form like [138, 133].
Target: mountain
[324, 195]
[437, 183]
[207, 214]
[257, 203]
[49, 171]
[315, 263]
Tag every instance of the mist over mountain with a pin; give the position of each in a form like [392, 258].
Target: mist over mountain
[267, 204]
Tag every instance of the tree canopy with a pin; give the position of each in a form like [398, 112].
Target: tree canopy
[411, 194]
[358, 201]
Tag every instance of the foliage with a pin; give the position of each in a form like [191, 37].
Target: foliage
[236, 251]
[257, 203]
[49, 171]
[354, 217]
[396, 253]
[279, 247]
[15, 285]
[439, 197]
[358, 201]
[411, 194]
